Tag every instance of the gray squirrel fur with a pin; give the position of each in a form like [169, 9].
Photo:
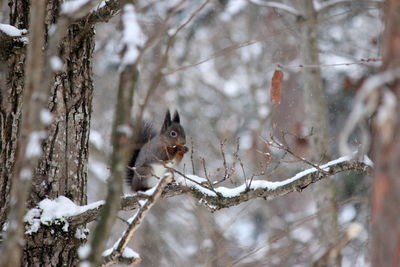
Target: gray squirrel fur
[154, 151]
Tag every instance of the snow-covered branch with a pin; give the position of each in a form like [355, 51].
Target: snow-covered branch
[103, 12]
[10, 38]
[64, 213]
[228, 197]
[223, 197]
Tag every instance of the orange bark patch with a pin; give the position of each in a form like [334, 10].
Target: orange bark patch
[381, 188]
[276, 86]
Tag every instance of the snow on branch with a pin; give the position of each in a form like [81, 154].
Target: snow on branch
[55, 212]
[11, 30]
[277, 5]
[223, 197]
[103, 12]
[11, 38]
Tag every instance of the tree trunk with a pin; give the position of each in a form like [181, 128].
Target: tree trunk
[385, 225]
[62, 168]
[316, 110]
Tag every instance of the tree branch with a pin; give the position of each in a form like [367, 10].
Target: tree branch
[115, 254]
[228, 197]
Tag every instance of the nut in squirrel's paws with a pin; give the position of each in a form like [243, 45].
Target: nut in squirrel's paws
[183, 149]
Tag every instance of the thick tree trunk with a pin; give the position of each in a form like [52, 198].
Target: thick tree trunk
[385, 225]
[316, 109]
[62, 168]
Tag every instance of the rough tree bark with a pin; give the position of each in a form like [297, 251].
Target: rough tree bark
[62, 167]
[385, 225]
[316, 110]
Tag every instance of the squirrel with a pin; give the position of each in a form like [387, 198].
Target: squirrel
[156, 151]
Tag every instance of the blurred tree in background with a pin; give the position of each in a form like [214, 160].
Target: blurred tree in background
[74, 75]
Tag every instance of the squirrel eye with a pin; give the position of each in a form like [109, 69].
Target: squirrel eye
[173, 134]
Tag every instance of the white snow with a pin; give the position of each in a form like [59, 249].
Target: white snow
[347, 214]
[368, 161]
[133, 37]
[233, 8]
[186, 182]
[277, 5]
[72, 6]
[55, 212]
[56, 63]
[96, 139]
[11, 30]
[46, 116]
[26, 174]
[255, 184]
[81, 233]
[34, 148]
[99, 169]
[125, 129]
[231, 88]
[129, 253]
[84, 251]
[108, 252]
[84, 264]
[302, 234]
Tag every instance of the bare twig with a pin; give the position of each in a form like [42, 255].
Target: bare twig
[285, 148]
[317, 66]
[191, 154]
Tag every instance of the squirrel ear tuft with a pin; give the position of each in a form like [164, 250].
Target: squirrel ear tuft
[176, 117]
[167, 121]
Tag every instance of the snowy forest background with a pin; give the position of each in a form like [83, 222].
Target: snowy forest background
[213, 60]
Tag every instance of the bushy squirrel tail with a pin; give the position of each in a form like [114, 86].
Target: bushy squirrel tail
[145, 133]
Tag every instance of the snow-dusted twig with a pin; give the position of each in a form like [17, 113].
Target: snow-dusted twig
[364, 106]
[277, 144]
[362, 61]
[228, 197]
[117, 253]
[277, 5]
